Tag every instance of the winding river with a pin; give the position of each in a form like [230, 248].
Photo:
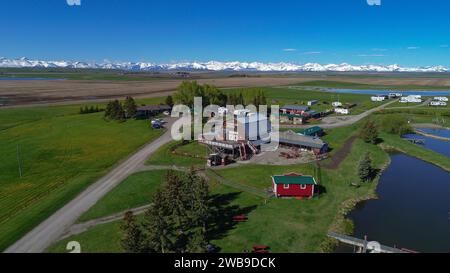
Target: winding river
[413, 209]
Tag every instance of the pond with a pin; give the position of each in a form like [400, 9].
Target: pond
[413, 209]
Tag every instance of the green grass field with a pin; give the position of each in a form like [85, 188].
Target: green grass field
[135, 191]
[60, 153]
[164, 157]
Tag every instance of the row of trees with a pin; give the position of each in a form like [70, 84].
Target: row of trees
[89, 110]
[212, 95]
[177, 220]
[115, 110]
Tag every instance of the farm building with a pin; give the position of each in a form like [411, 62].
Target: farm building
[293, 185]
[151, 110]
[343, 111]
[314, 131]
[313, 144]
[247, 126]
[311, 114]
[292, 119]
[241, 137]
[294, 109]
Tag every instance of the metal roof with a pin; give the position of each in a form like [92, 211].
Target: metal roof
[311, 131]
[290, 137]
[297, 180]
[295, 107]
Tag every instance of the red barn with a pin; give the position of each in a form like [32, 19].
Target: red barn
[293, 185]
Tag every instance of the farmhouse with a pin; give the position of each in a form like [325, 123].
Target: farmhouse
[151, 110]
[293, 185]
[308, 143]
[292, 119]
[294, 109]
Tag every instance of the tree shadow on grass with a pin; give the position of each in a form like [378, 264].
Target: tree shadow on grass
[221, 220]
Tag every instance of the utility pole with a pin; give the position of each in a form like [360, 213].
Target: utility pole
[18, 161]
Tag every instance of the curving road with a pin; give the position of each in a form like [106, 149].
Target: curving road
[50, 230]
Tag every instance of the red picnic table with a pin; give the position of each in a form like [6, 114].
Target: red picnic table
[240, 218]
[261, 249]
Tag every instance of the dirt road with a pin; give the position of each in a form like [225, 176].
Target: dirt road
[53, 227]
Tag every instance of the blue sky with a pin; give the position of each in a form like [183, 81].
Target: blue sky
[406, 32]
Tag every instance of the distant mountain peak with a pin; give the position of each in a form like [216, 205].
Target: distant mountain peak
[218, 66]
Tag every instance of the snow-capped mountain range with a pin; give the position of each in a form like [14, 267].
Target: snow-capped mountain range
[218, 66]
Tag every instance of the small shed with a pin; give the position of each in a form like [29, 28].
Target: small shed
[293, 185]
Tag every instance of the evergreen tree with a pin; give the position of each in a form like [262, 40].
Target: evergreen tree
[369, 132]
[169, 101]
[197, 242]
[365, 168]
[109, 110]
[118, 112]
[132, 234]
[159, 234]
[130, 107]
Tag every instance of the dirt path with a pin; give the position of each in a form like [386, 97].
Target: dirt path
[80, 228]
[340, 155]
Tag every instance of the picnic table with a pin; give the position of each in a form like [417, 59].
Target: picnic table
[261, 249]
[240, 218]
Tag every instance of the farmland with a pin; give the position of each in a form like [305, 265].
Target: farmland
[49, 154]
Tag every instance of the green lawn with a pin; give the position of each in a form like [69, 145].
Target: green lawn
[60, 153]
[135, 191]
[164, 157]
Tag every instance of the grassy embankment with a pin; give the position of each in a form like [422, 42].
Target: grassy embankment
[60, 153]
